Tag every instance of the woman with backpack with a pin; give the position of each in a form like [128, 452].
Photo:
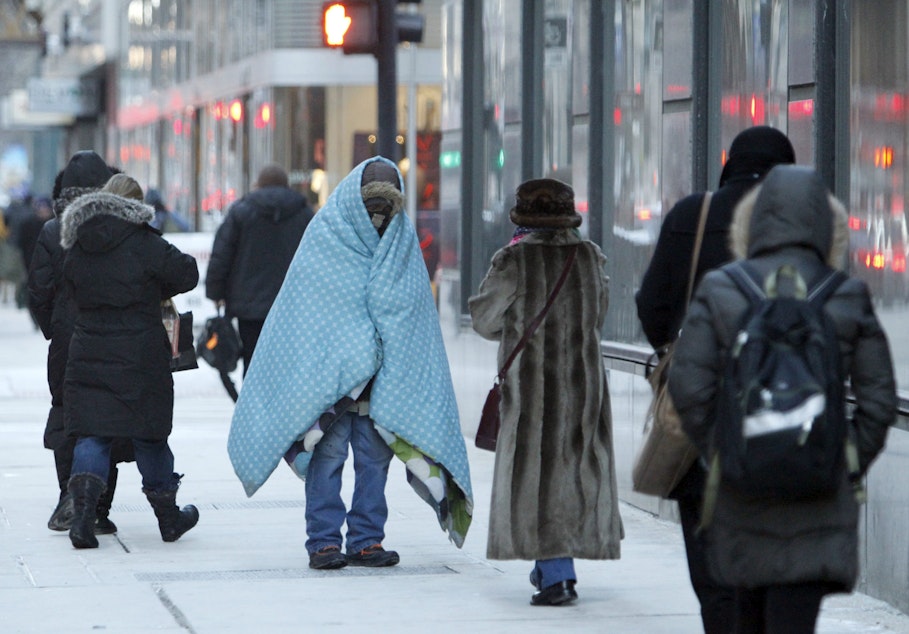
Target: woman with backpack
[783, 555]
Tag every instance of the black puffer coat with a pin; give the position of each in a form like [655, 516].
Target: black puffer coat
[118, 270]
[253, 249]
[750, 543]
[48, 299]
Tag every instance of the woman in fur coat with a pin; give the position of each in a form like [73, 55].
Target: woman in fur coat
[783, 557]
[554, 494]
[118, 383]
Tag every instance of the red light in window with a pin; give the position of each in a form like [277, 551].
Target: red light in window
[757, 109]
[617, 116]
[178, 127]
[218, 111]
[644, 214]
[899, 263]
[855, 223]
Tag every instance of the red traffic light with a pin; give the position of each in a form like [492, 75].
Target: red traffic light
[350, 25]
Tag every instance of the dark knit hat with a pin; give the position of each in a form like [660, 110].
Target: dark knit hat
[85, 169]
[545, 203]
[754, 152]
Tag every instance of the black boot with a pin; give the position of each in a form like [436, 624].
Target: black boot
[103, 525]
[62, 517]
[172, 520]
[85, 488]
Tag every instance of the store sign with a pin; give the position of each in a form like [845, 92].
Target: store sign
[64, 95]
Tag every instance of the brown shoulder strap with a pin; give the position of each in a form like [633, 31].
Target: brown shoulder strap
[699, 238]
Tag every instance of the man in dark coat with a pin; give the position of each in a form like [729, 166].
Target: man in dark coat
[118, 383]
[53, 310]
[252, 251]
[661, 309]
[784, 556]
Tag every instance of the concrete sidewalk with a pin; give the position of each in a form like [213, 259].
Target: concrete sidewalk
[243, 569]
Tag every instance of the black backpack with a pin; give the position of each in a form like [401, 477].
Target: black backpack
[781, 427]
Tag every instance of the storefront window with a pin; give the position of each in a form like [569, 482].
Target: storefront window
[755, 79]
[877, 205]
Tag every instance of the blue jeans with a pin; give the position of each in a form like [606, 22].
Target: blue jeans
[153, 458]
[548, 572]
[325, 510]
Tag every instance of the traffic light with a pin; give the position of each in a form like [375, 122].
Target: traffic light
[350, 25]
[353, 25]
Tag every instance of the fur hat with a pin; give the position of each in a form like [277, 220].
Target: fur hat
[380, 187]
[545, 203]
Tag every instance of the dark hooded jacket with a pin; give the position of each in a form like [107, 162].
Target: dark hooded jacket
[661, 297]
[789, 220]
[253, 248]
[47, 298]
[118, 270]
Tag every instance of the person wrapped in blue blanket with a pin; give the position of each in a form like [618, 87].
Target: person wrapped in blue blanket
[351, 354]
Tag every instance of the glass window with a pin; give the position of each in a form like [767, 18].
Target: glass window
[801, 42]
[674, 38]
[755, 73]
[580, 99]
[878, 188]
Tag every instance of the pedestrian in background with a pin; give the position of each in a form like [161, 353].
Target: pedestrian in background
[352, 356]
[166, 220]
[252, 250]
[783, 557]
[52, 307]
[118, 384]
[661, 308]
[554, 493]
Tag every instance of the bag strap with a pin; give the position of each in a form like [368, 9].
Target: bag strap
[698, 240]
[539, 318]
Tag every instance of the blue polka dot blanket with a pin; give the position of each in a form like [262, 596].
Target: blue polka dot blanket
[355, 306]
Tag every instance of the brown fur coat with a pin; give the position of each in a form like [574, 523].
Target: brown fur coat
[554, 489]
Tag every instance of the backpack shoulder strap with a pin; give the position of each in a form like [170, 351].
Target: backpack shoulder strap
[821, 291]
[746, 279]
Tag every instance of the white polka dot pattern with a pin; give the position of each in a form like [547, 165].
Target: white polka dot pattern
[352, 306]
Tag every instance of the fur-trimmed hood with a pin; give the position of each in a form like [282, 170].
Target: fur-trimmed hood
[101, 204]
[791, 207]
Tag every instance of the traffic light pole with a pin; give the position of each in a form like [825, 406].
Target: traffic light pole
[387, 74]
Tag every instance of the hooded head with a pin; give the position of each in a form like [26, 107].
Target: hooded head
[754, 152]
[791, 207]
[380, 187]
[544, 203]
[85, 172]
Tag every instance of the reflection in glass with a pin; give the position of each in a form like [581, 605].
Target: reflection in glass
[877, 205]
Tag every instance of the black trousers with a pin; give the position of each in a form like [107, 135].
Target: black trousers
[783, 609]
[717, 601]
[249, 331]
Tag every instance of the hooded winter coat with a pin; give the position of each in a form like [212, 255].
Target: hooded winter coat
[48, 300]
[118, 270]
[790, 219]
[253, 249]
[554, 489]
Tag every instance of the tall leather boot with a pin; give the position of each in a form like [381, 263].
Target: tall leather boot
[103, 525]
[85, 488]
[172, 520]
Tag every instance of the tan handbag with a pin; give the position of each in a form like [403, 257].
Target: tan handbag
[667, 454]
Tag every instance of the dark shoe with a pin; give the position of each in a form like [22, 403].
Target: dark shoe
[85, 488]
[561, 593]
[172, 520]
[62, 517]
[373, 557]
[103, 526]
[328, 558]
